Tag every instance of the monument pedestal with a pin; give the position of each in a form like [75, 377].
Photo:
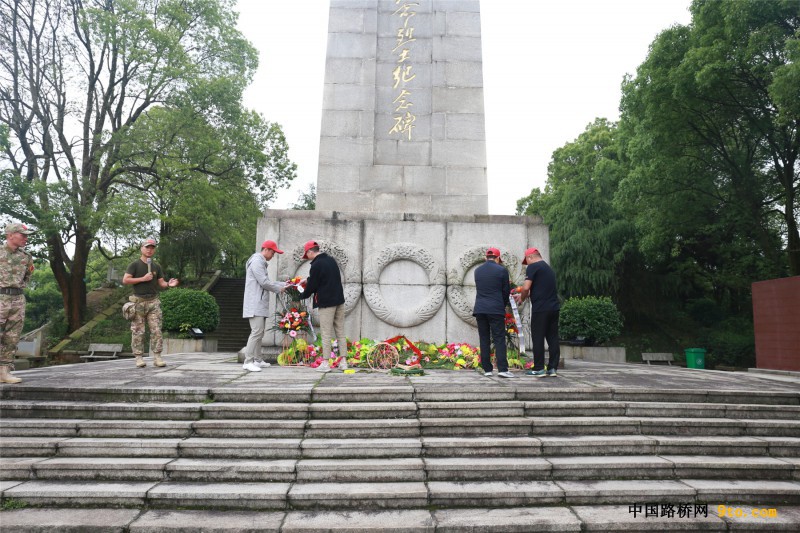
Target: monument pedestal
[402, 191]
[403, 273]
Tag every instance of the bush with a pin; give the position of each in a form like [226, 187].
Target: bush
[185, 308]
[594, 318]
[731, 344]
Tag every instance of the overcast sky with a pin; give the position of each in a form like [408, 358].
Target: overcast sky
[550, 68]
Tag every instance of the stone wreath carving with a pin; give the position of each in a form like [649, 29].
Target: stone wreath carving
[350, 272]
[403, 318]
[455, 279]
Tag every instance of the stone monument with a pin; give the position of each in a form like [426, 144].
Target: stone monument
[402, 183]
[402, 117]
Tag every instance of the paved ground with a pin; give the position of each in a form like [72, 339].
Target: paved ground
[210, 370]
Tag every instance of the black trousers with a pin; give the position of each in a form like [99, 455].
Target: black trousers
[544, 325]
[494, 326]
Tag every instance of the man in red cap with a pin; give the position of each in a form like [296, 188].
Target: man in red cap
[492, 288]
[256, 302]
[16, 267]
[325, 283]
[540, 284]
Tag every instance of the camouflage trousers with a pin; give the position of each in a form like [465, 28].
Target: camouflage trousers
[12, 318]
[147, 311]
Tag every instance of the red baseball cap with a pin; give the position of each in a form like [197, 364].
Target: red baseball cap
[493, 252]
[528, 252]
[271, 245]
[307, 246]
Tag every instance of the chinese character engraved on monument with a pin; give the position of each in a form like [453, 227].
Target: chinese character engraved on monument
[402, 127]
[402, 192]
[403, 74]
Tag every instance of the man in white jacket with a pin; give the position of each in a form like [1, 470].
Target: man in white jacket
[256, 302]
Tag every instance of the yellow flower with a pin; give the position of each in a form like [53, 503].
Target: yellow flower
[461, 362]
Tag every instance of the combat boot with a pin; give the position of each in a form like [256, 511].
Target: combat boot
[157, 361]
[6, 377]
[140, 362]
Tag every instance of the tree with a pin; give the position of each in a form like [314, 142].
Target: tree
[306, 200]
[712, 127]
[91, 90]
[591, 243]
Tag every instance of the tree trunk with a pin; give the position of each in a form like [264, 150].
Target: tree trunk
[70, 281]
[793, 238]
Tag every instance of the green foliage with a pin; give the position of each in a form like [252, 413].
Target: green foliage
[113, 330]
[591, 242]
[161, 90]
[730, 343]
[9, 504]
[714, 177]
[594, 318]
[705, 311]
[43, 297]
[307, 200]
[189, 306]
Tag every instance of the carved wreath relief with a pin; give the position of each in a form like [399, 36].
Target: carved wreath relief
[449, 285]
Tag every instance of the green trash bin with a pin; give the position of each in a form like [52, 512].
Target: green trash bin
[695, 357]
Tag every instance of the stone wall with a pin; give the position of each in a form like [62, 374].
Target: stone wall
[409, 274]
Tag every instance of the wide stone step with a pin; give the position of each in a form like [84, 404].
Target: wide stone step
[96, 410]
[367, 428]
[104, 394]
[396, 495]
[293, 402]
[481, 446]
[510, 520]
[302, 385]
[401, 468]
[402, 427]
[361, 470]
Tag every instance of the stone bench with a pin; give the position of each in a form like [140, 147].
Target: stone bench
[102, 351]
[658, 357]
[26, 349]
[28, 355]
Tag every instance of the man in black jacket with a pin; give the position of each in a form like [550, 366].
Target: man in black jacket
[325, 283]
[492, 291]
[540, 284]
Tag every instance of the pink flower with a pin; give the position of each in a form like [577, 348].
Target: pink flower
[293, 333]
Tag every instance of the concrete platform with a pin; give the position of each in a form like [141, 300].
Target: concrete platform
[202, 445]
[203, 377]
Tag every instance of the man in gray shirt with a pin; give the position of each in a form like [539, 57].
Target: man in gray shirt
[256, 302]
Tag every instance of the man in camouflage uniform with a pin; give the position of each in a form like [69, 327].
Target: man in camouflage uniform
[147, 279]
[16, 267]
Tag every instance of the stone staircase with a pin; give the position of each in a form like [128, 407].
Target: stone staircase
[233, 330]
[290, 449]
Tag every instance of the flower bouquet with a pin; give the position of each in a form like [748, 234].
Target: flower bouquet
[295, 287]
[295, 324]
[298, 352]
[293, 321]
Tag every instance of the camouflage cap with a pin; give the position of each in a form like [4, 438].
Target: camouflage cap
[16, 227]
[149, 242]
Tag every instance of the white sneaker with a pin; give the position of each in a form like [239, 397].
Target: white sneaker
[252, 367]
[262, 364]
[506, 374]
[342, 364]
[324, 367]
[489, 373]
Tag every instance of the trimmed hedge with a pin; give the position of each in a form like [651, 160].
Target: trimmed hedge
[596, 318]
[185, 308]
